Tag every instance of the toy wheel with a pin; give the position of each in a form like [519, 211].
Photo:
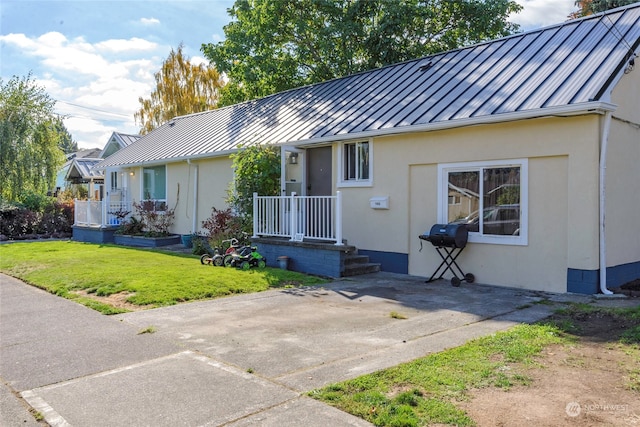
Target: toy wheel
[226, 260]
[470, 278]
[262, 263]
[455, 282]
[244, 265]
[205, 259]
[218, 260]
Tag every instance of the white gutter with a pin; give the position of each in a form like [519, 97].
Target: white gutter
[603, 169]
[598, 107]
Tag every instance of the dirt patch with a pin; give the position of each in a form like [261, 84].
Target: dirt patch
[118, 300]
[631, 289]
[593, 382]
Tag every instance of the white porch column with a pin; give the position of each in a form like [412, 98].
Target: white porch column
[293, 215]
[339, 218]
[255, 214]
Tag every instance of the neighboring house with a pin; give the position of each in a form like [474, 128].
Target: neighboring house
[546, 121]
[81, 172]
[78, 169]
[61, 176]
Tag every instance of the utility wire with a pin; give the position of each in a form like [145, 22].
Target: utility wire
[94, 109]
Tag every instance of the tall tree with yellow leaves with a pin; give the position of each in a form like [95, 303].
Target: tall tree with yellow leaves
[181, 88]
[589, 7]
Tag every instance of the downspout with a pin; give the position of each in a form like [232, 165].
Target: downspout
[194, 225]
[604, 140]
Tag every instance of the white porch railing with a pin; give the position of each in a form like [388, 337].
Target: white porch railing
[298, 217]
[93, 213]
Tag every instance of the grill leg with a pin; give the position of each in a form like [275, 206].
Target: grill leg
[449, 256]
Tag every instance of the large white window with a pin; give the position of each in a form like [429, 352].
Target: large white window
[489, 197]
[355, 164]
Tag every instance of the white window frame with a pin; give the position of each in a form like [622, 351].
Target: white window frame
[357, 182]
[476, 237]
[117, 184]
[154, 197]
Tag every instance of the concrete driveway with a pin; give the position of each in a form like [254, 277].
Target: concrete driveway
[242, 360]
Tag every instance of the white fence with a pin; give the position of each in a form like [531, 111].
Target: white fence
[298, 217]
[90, 213]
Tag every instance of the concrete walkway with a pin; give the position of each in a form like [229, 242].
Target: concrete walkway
[239, 361]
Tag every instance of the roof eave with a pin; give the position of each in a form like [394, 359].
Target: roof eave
[593, 107]
[157, 162]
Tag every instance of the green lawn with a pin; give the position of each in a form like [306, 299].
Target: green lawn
[425, 391]
[154, 278]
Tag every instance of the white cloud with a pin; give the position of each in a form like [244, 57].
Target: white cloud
[122, 45]
[542, 13]
[97, 85]
[198, 60]
[149, 21]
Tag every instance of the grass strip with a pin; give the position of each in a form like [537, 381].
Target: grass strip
[424, 391]
[153, 278]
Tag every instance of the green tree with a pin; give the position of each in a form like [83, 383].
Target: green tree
[256, 170]
[66, 144]
[29, 142]
[181, 88]
[274, 45]
[589, 7]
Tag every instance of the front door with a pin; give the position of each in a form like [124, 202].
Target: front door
[319, 171]
[292, 171]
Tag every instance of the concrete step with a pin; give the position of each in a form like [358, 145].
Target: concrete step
[356, 259]
[360, 268]
[355, 265]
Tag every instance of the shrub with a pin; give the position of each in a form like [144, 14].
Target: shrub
[47, 217]
[35, 202]
[222, 225]
[155, 222]
[256, 169]
[132, 226]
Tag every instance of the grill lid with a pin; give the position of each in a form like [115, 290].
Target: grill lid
[447, 235]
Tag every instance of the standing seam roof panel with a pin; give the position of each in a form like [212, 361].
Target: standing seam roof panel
[473, 83]
[491, 83]
[585, 60]
[573, 62]
[437, 79]
[537, 69]
[377, 100]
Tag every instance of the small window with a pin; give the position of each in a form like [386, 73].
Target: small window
[489, 197]
[155, 186]
[116, 181]
[356, 163]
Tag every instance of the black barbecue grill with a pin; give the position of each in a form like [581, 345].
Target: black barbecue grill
[449, 241]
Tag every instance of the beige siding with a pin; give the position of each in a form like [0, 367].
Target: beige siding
[563, 199]
[213, 175]
[623, 174]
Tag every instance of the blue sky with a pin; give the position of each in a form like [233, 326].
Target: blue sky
[96, 58]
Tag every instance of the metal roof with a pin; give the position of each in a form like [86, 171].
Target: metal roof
[573, 64]
[126, 139]
[83, 169]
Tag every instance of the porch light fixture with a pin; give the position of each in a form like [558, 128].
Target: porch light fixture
[293, 158]
[132, 173]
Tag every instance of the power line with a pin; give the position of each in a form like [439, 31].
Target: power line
[94, 109]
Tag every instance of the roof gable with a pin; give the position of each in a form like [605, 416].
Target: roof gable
[81, 170]
[116, 142]
[573, 64]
